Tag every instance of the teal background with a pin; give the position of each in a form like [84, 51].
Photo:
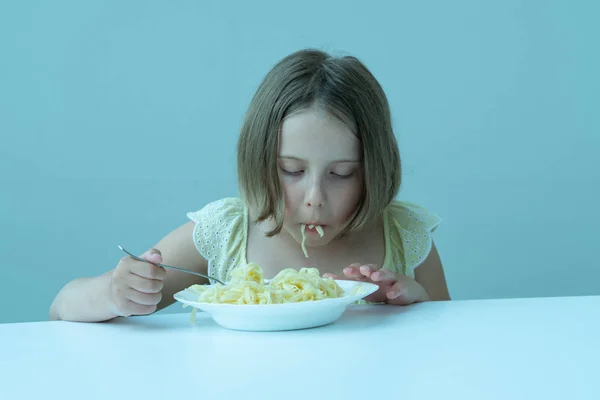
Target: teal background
[116, 118]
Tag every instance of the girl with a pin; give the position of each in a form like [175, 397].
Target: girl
[319, 170]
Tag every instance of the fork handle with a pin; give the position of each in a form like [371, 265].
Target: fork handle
[174, 268]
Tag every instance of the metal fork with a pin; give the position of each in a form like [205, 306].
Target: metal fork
[173, 268]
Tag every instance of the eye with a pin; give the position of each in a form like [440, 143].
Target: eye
[342, 176]
[292, 173]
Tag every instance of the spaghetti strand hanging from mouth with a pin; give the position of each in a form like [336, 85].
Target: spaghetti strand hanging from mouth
[319, 230]
[302, 228]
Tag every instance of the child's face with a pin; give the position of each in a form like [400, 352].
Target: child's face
[321, 175]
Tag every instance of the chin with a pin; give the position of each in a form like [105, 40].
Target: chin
[315, 242]
[312, 240]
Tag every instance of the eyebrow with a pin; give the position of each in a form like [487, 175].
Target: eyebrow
[334, 161]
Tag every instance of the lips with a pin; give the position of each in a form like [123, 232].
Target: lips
[315, 228]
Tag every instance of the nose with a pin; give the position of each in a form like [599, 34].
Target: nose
[315, 196]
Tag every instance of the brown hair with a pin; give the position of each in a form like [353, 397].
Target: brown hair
[341, 86]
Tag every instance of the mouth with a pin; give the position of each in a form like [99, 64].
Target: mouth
[315, 228]
[311, 228]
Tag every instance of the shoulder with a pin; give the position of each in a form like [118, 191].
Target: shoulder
[223, 209]
[409, 234]
[220, 230]
[411, 216]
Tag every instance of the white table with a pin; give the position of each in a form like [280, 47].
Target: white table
[493, 349]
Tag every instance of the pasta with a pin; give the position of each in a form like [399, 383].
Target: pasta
[302, 229]
[248, 286]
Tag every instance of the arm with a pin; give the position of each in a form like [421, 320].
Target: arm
[89, 299]
[430, 275]
[84, 299]
[178, 250]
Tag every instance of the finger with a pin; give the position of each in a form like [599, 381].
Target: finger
[367, 270]
[144, 299]
[138, 309]
[144, 285]
[402, 294]
[384, 274]
[394, 291]
[353, 271]
[148, 270]
[153, 256]
[400, 299]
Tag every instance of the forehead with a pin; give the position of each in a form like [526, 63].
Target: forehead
[311, 133]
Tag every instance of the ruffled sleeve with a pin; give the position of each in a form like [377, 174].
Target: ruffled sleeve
[409, 233]
[220, 235]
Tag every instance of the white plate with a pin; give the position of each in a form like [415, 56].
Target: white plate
[281, 317]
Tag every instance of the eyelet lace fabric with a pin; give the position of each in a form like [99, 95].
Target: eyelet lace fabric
[220, 235]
